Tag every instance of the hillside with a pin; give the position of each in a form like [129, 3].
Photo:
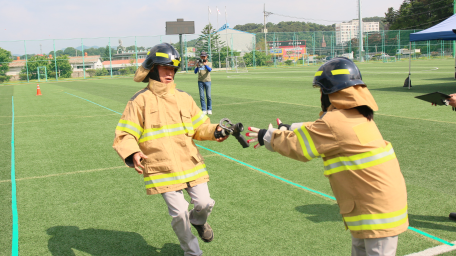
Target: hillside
[298, 26]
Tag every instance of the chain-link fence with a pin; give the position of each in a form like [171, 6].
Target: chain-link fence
[83, 58]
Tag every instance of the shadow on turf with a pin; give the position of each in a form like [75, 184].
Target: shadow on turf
[431, 222]
[103, 242]
[320, 212]
[448, 87]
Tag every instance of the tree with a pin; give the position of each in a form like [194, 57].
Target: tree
[32, 66]
[418, 14]
[260, 58]
[70, 51]
[91, 72]
[5, 58]
[102, 71]
[63, 66]
[202, 44]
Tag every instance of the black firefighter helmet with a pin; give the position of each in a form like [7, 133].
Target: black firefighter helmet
[337, 74]
[162, 54]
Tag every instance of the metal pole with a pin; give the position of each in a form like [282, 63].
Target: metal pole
[360, 36]
[313, 45]
[274, 50]
[45, 73]
[454, 42]
[186, 54]
[253, 45]
[136, 53]
[83, 65]
[265, 31]
[226, 40]
[399, 41]
[26, 61]
[181, 51]
[110, 59]
[367, 46]
[55, 61]
[209, 35]
[410, 64]
[383, 46]
[218, 46]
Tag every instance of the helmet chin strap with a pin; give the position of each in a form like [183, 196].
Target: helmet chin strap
[325, 103]
[153, 74]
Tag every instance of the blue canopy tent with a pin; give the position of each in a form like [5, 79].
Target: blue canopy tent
[445, 30]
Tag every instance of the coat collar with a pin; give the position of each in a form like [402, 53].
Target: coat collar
[161, 89]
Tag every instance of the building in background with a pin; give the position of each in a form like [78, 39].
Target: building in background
[286, 50]
[236, 40]
[191, 52]
[348, 30]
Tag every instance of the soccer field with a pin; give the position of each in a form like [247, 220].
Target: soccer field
[75, 196]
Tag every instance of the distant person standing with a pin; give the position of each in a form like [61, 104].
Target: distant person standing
[452, 102]
[203, 69]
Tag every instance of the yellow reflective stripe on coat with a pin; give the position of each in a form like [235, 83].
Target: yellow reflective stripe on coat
[308, 146]
[359, 161]
[377, 221]
[199, 119]
[318, 73]
[161, 54]
[175, 177]
[340, 72]
[166, 130]
[130, 127]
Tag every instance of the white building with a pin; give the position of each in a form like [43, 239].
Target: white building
[237, 40]
[347, 31]
[89, 62]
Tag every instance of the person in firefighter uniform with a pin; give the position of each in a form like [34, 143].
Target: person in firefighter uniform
[362, 168]
[155, 136]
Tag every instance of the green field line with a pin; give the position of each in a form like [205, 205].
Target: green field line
[287, 181]
[15, 236]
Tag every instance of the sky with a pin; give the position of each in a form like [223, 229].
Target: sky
[62, 19]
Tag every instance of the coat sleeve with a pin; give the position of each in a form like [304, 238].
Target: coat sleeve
[310, 140]
[128, 131]
[202, 126]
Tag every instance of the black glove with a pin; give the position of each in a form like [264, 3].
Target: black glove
[284, 125]
[219, 134]
[261, 134]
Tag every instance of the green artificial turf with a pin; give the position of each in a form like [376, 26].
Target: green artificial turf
[75, 197]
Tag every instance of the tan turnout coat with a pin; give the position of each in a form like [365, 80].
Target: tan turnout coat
[162, 122]
[361, 166]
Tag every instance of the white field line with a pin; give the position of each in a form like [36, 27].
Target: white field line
[412, 118]
[246, 102]
[66, 173]
[435, 250]
[211, 155]
[68, 117]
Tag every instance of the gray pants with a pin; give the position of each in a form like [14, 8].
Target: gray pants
[178, 209]
[385, 246]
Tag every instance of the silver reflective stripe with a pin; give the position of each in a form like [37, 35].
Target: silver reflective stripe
[360, 161]
[377, 221]
[129, 127]
[149, 134]
[199, 119]
[185, 176]
[306, 142]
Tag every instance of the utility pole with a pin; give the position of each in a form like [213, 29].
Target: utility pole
[360, 35]
[265, 30]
